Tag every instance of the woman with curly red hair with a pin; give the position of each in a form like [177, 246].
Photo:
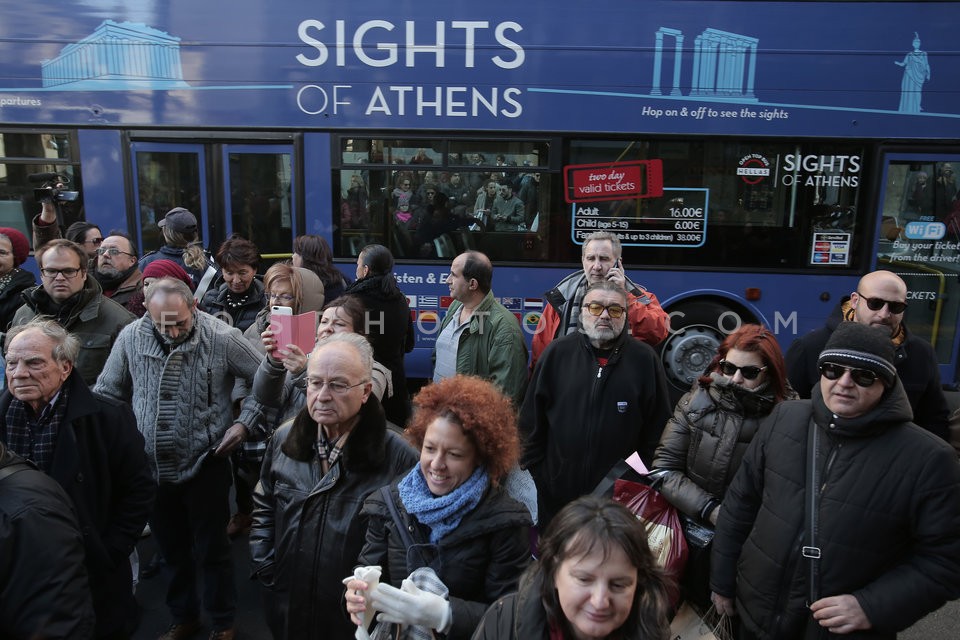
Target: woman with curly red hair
[469, 540]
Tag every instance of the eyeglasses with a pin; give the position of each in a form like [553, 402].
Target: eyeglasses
[614, 310]
[834, 371]
[875, 304]
[69, 274]
[95, 241]
[749, 372]
[335, 387]
[113, 252]
[282, 297]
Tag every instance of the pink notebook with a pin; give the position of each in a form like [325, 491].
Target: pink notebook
[300, 330]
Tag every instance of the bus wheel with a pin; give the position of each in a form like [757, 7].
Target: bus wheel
[692, 343]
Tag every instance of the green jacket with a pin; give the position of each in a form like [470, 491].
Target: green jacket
[95, 320]
[492, 347]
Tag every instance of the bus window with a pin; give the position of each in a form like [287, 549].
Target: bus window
[25, 154]
[501, 206]
[919, 240]
[728, 204]
[260, 197]
[166, 179]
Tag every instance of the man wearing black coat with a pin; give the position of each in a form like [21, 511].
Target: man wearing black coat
[914, 357]
[43, 584]
[91, 446]
[874, 545]
[595, 397]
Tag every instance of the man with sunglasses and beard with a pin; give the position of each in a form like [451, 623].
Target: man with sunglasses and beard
[844, 516]
[879, 301]
[595, 397]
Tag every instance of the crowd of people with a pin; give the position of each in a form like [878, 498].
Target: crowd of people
[141, 389]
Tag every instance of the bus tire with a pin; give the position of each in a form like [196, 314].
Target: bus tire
[695, 334]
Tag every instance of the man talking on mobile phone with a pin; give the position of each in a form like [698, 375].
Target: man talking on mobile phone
[601, 257]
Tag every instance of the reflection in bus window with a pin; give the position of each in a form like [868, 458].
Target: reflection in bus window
[402, 207]
[920, 241]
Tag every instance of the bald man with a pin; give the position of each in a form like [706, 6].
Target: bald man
[880, 300]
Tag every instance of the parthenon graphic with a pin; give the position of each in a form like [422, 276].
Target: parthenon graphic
[116, 55]
[724, 65]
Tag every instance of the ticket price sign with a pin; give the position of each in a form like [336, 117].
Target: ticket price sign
[676, 219]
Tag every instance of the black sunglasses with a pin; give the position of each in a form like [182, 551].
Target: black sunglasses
[875, 304]
[749, 372]
[834, 371]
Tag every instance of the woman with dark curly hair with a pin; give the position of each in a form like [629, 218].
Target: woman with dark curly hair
[595, 578]
[469, 539]
[240, 298]
[313, 253]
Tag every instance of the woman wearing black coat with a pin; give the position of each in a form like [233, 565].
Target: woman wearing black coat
[389, 327]
[462, 525]
[13, 280]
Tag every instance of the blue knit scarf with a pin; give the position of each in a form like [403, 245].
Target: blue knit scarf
[441, 513]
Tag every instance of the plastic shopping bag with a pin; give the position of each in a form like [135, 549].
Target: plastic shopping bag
[660, 519]
[689, 625]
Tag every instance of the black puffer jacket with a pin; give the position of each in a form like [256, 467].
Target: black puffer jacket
[889, 525]
[10, 300]
[43, 584]
[307, 527]
[480, 561]
[703, 443]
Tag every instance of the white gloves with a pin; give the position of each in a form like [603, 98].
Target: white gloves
[408, 605]
[371, 576]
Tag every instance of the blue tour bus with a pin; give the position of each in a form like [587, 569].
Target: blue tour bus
[755, 158]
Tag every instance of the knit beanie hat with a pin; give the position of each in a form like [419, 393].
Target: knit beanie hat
[863, 347]
[18, 241]
[168, 269]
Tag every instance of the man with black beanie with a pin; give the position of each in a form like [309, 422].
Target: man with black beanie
[844, 516]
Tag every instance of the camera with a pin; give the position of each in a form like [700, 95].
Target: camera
[49, 190]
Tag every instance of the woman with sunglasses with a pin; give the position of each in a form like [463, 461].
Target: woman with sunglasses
[703, 443]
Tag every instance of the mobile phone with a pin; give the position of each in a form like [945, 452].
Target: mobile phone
[281, 311]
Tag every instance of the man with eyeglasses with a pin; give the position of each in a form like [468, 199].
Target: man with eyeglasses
[76, 302]
[601, 257]
[180, 369]
[844, 516]
[117, 270]
[880, 301]
[595, 397]
[318, 470]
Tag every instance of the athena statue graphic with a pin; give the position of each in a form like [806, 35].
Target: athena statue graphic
[916, 71]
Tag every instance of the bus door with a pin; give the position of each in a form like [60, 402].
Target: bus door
[231, 188]
[919, 240]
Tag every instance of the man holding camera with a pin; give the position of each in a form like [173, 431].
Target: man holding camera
[880, 300]
[601, 257]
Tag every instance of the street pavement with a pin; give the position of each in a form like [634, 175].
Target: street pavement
[155, 619]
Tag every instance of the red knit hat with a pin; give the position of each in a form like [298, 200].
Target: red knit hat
[167, 269]
[21, 248]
